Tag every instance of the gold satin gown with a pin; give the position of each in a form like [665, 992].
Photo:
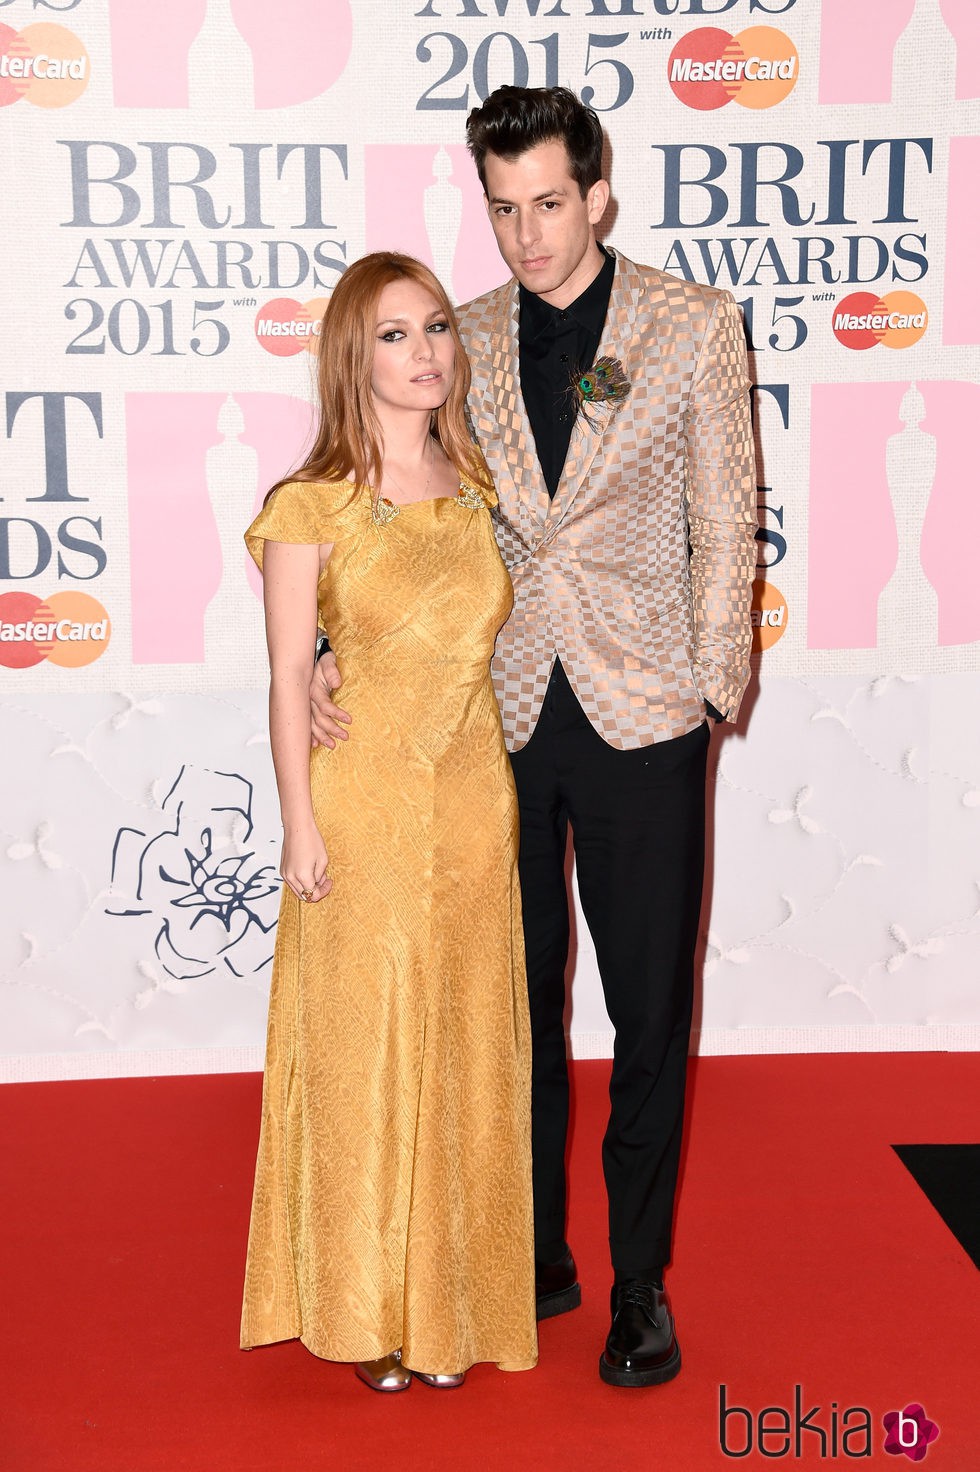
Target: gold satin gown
[392, 1201]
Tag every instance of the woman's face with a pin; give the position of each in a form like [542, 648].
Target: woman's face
[414, 352]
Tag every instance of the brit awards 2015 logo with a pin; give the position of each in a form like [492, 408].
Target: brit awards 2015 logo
[756, 68]
[205, 207]
[249, 54]
[891, 568]
[44, 64]
[764, 217]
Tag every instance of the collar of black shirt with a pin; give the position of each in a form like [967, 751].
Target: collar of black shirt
[589, 309]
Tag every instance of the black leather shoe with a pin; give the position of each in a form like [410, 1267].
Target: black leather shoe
[556, 1287]
[642, 1348]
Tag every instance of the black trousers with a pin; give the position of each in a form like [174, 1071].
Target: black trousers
[638, 829]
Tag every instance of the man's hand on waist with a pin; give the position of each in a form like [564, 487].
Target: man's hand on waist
[327, 720]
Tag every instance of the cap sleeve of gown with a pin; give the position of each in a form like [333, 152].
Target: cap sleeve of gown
[305, 513]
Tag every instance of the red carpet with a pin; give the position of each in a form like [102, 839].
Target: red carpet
[806, 1255]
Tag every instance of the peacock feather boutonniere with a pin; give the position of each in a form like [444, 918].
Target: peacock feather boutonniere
[605, 385]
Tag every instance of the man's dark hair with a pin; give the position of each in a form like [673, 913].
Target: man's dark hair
[514, 119]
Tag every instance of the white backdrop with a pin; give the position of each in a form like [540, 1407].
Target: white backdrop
[182, 184]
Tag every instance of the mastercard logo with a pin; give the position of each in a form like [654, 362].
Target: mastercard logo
[863, 320]
[769, 615]
[68, 629]
[285, 327]
[44, 64]
[757, 68]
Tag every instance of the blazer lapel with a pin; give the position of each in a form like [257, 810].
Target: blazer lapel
[617, 335]
[519, 459]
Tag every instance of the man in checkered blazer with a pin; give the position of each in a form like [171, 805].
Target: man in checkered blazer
[627, 519]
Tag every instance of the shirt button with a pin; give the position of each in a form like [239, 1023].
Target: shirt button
[562, 418]
[564, 357]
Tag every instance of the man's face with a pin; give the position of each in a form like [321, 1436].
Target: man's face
[545, 230]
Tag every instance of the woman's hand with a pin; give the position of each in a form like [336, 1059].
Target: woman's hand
[304, 863]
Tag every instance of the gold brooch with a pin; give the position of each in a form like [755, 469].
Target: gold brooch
[469, 497]
[383, 511]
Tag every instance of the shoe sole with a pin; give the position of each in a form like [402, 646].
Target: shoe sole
[550, 1305]
[628, 1378]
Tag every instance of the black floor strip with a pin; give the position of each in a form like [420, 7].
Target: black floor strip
[950, 1177]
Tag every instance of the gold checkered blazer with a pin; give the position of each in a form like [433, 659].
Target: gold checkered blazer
[602, 575]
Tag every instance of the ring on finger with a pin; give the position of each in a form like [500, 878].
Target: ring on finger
[306, 894]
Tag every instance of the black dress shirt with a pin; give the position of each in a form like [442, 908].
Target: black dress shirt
[554, 345]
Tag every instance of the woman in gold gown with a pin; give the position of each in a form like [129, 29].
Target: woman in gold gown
[391, 1217]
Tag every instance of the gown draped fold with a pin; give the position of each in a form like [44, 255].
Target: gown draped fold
[392, 1199]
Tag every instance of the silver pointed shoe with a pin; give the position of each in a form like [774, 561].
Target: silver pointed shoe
[387, 1374]
[441, 1382]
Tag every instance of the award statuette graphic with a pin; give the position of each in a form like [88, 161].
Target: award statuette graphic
[925, 52]
[231, 471]
[219, 64]
[442, 209]
[908, 607]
